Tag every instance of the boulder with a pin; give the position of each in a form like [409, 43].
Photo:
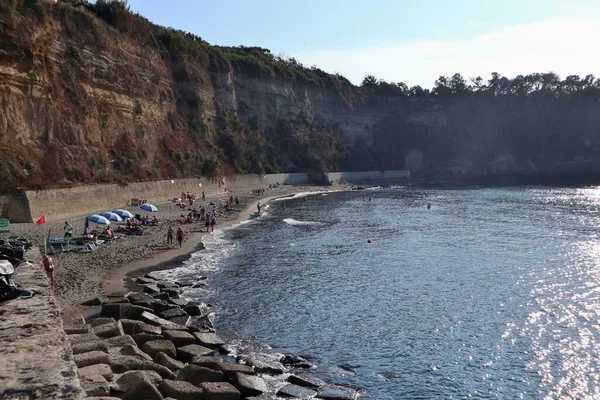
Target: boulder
[196, 375]
[201, 324]
[121, 364]
[91, 358]
[229, 369]
[219, 391]
[77, 329]
[119, 342]
[154, 276]
[160, 306]
[144, 281]
[101, 321]
[101, 369]
[296, 361]
[159, 346]
[187, 353]
[212, 362]
[291, 390]
[129, 379]
[154, 320]
[184, 283]
[180, 390]
[92, 381]
[249, 385]
[96, 301]
[166, 361]
[135, 311]
[179, 338]
[83, 338]
[306, 380]
[143, 389]
[133, 327]
[167, 284]
[194, 309]
[172, 292]
[172, 313]
[141, 338]
[182, 320]
[179, 302]
[109, 330]
[133, 351]
[161, 296]
[146, 303]
[208, 339]
[333, 392]
[115, 310]
[86, 347]
[151, 288]
[264, 365]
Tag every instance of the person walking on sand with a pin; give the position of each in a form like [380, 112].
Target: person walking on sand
[48, 264]
[179, 236]
[170, 236]
[258, 207]
[203, 196]
[213, 222]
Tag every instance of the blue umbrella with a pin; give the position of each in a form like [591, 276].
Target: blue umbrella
[112, 216]
[123, 213]
[98, 219]
[148, 207]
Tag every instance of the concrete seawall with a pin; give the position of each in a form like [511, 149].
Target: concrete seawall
[36, 358]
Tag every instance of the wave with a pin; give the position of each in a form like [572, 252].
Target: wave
[292, 221]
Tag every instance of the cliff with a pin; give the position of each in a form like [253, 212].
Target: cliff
[94, 93]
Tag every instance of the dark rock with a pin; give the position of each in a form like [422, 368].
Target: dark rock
[208, 339]
[143, 389]
[179, 338]
[180, 390]
[109, 330]
[115, 310]
[134, 312]
[166, 361]
[179, 302]
[96, 301]
[139, 296]
[196, 375]
[154, 276]
[296, 361]
[131, 378]
[219, 391]
[161, 296]
[90, 358]
[201, 324]
[166, 284]
[133, 327]
[154, 320]
[146, 303]
[184, 283]
[77, 329]
[162, 346]
[230, 369]
[265, 365]
[175, 312]
[121, 364]
[160, 306]
[290, 390]
[116, 300]
[141, 338]
[151, 288]
[332, 392]
[117, 294]
[198, 285]
[187, 353]
[249, 385]
[212, 362]
[132, 351]
[144, 281]
[173, 293]
[86, 347]
[101, 321]
[195, 309]
[181, 320]
[306, 380]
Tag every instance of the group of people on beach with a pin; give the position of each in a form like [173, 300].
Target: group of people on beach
[179, 236]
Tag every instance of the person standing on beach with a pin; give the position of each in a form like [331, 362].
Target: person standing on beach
[179, 236]
[170, 236]
[49, 268]
[258, 207]
[68, 234]
[203, 196]
[213, 222]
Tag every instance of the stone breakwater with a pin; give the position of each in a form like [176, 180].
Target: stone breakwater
[35, 356]
[155, 345]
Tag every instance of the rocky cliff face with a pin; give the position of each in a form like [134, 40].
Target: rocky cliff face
[86, 101]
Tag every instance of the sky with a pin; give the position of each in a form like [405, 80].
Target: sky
[410, 41]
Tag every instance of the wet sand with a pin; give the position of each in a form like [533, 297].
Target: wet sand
[82, 276]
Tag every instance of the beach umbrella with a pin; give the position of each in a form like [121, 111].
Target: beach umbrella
[123, 213]
[112, 216]
[148, 207]
[98, 219]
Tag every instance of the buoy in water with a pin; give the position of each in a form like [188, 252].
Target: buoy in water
[369, 241]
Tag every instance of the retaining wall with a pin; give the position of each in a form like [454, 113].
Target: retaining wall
[350, 177]
[36, 357]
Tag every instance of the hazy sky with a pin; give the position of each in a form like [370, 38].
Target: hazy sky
[399, 40]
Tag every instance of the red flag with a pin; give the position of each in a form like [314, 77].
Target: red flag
[41, 221]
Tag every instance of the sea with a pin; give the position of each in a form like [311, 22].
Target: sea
[487, 293]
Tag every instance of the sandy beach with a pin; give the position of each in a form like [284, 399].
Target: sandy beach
[82, 276]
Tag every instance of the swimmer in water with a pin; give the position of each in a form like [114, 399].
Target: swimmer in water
[428, 206]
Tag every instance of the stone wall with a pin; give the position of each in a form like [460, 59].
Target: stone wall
[58, 204]
[36, 358]
[350, 177]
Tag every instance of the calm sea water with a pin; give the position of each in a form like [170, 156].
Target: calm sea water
[491, 293]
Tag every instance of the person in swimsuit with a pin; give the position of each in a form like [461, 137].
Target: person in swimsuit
[49, 268]
[170, 236]
[179, 236]
[213, 222]
[258, 207]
